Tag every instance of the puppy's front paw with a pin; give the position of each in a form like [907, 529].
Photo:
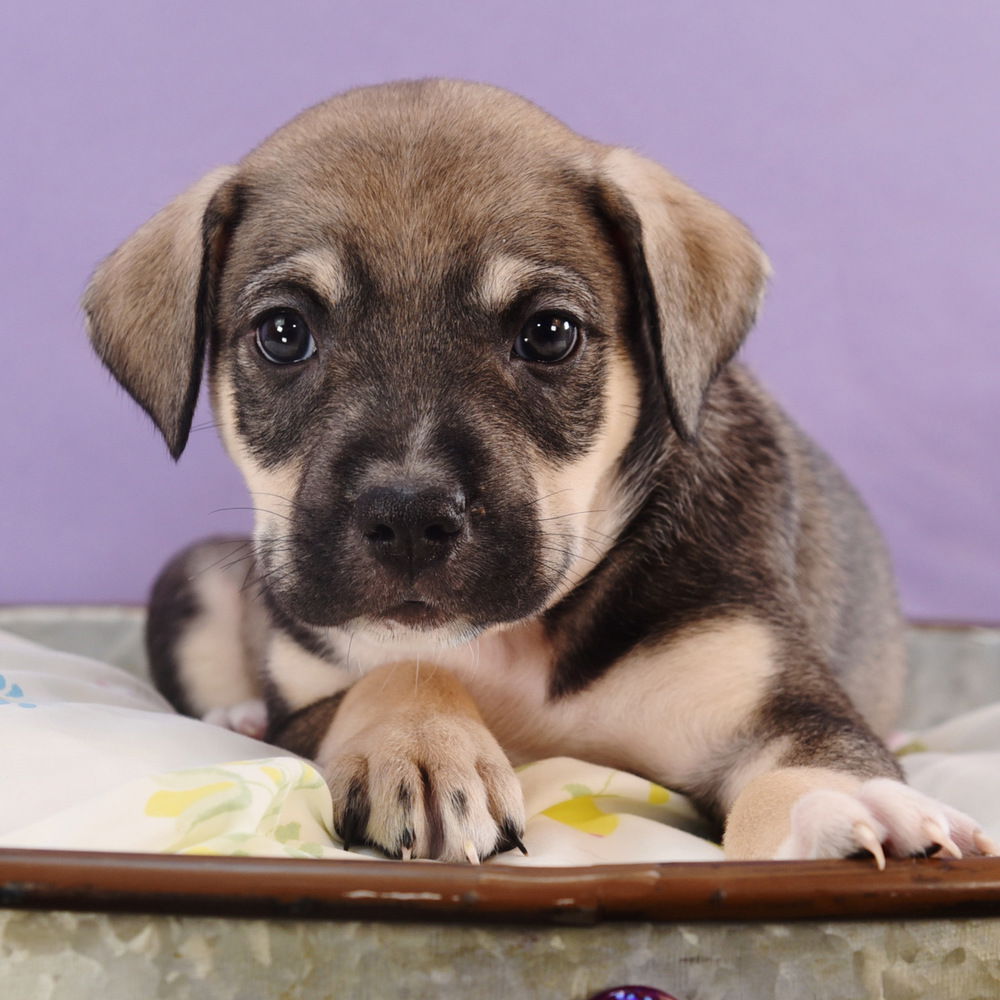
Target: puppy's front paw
[437, 788]
[884, 817]
[805, 813]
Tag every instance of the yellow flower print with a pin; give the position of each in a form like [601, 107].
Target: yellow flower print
[582, 812]
[658, 795]
[173, 803]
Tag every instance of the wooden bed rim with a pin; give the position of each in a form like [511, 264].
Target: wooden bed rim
[426, 891]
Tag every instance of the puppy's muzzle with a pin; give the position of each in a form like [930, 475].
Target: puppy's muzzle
[410, 528]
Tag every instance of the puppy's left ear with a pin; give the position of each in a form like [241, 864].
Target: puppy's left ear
[149, 305]
[698, 277]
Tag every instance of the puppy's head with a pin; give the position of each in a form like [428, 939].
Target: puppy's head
[448, 340]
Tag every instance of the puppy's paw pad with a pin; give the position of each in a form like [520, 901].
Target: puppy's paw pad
[247, 717]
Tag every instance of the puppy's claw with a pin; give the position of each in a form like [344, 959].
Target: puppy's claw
[865, 836]
[510, 838]
[983, 844]
[937, 836]
[471, 853]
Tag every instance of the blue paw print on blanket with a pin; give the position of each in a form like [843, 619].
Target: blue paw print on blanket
[13, 695]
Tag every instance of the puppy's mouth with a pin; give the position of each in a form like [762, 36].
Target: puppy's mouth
[415, 613]
[417, 625]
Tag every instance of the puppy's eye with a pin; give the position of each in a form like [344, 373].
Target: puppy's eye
[547, 338]
[284, 339]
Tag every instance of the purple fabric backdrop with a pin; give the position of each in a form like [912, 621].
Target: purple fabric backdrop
[859, 140]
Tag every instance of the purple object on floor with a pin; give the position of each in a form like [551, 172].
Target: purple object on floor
[634, 993]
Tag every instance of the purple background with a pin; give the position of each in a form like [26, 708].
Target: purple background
[860, 140]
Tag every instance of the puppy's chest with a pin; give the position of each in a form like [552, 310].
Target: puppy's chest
[506, 673]
[678, 704]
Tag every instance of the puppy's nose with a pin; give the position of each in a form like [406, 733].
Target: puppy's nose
[408, 527]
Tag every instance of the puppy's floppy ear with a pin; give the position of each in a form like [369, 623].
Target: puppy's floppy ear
[149, 308]
[698, 277]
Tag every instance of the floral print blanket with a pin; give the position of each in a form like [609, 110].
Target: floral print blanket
[94, 759]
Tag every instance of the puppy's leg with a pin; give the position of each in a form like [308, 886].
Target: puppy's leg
[412, 768]
[755, 729]
[205, 635]
[829, 788]
[804, 812]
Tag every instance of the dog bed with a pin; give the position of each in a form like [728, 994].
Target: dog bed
[95, 761]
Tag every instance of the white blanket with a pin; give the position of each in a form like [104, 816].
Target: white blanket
[93, 759]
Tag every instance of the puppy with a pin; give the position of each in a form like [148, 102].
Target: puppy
[513, 496]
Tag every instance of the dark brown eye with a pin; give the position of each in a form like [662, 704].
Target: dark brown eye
[547, 338]
[284, 339]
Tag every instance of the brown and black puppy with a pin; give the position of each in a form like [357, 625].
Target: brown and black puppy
[514, 498]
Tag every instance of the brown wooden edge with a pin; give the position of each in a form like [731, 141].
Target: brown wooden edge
[426, 891]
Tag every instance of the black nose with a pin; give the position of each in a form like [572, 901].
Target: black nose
[410, 527]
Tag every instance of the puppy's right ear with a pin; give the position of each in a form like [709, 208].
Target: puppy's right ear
[698, 277]
[149, 305]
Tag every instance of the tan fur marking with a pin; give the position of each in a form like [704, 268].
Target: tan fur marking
[581, 503]
[318, 269]
[759, 820]
[272, 491]
[768, 759]
[504, 277]
[415, 692]
[672, 712]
